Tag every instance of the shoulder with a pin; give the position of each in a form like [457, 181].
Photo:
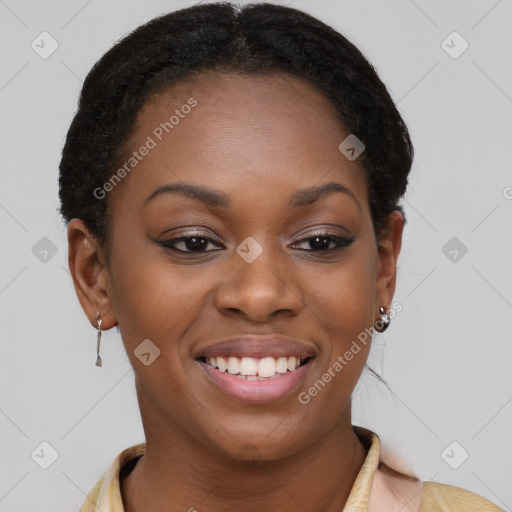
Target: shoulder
[438, 497]
[106, 493]
[395, 488]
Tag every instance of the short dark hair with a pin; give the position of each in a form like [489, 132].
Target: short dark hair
[224, 37]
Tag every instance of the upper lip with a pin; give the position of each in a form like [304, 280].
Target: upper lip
[271, 345]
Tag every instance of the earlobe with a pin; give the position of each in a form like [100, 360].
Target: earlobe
[90, 274]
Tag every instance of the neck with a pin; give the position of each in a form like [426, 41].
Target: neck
[177, 473]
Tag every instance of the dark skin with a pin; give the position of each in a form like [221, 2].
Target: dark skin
[256, 139]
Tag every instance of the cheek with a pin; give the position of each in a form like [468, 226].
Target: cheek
[343, 296]
[157, 300]
[342, 301]
[344, 316]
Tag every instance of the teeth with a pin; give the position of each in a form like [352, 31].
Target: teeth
[222, 364]
[267, 367]
[249, 366]
[253, 368]
[282, 365]
[292, 363]
[233, 366]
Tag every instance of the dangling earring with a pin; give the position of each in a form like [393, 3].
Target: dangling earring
[98, 358]
[384, 321]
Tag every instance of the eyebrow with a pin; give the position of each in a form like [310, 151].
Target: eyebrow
[214, 198]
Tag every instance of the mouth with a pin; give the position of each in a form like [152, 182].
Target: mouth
[255, 369]
[250, 380]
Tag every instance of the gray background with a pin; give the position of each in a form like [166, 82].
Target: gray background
[447, 354]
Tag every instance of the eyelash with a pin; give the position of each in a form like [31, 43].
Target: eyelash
[340, 241]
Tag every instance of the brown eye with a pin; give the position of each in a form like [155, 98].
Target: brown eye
[324, 241]
[192, 243]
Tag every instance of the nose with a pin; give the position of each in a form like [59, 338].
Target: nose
[261, 290]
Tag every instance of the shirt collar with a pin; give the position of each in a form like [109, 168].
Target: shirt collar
[105, 496]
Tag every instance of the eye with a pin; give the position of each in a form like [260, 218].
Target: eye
[198, 242]
[321, 241]
[193, 242]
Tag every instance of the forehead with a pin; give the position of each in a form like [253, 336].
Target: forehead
[244, 134]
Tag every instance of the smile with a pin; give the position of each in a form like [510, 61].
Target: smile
[252, 368]
[256, 380]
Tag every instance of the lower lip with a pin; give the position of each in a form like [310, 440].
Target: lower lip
[257, 391]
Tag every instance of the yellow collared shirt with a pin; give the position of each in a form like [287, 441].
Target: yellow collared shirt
[377, 488]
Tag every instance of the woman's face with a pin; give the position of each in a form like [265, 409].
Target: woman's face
[255, 263]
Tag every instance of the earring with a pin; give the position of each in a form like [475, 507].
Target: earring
[98, 358]
[384, 321]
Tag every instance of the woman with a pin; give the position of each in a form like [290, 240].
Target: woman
[232, 182]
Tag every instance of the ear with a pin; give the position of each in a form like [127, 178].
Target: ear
[87, 264]
[389, 248]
